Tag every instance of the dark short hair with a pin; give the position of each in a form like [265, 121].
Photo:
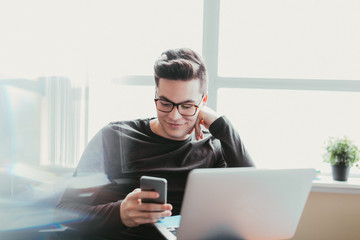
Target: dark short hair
[181, 64]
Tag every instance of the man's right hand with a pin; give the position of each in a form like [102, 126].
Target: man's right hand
[133, 212]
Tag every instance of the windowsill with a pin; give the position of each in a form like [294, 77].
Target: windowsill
[327, 185]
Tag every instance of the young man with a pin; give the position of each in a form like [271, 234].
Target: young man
[168, 146]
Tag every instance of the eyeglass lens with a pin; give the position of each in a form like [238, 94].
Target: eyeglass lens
[184, 109]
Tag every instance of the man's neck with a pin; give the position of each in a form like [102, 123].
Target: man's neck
[156, 128]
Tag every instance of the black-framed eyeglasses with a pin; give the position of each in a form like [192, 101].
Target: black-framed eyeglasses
[184, 109]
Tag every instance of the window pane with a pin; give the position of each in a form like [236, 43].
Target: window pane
[47, 38]
[115, 102]
[290, 39]
[42, 38]
[126, 37]
[289, 128]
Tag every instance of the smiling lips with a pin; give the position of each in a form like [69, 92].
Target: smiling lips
[174, 125]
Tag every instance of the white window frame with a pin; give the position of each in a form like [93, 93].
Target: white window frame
[210, 52]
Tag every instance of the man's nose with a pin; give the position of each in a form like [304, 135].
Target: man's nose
[174, 114]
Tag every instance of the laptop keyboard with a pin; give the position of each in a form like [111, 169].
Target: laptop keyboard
[173, 230]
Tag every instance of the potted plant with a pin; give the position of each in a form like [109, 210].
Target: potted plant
[342, 154]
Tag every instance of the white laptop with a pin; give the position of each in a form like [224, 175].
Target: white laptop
[241, 203]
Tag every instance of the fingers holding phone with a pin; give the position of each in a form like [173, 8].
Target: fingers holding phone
[135, 209]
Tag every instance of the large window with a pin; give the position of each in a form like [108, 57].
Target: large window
[288, 76]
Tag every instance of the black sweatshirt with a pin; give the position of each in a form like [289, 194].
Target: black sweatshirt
[122, 152]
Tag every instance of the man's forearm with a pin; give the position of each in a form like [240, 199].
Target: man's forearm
[88, 218]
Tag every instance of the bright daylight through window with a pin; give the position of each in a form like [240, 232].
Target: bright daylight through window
[298, 77]
[287, 82]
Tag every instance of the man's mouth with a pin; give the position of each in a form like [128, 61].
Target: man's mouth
[175, 125]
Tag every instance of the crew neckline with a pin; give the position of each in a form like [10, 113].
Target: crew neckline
[163, 139]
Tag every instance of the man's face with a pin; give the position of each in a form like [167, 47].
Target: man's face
[173, 125]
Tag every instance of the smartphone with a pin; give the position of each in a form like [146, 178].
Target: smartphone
[154, 184]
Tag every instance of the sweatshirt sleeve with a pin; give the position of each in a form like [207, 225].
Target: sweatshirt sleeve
[88, 218]
[233, 149]
[91, 202]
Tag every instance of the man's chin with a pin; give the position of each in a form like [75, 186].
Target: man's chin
[178, 135]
